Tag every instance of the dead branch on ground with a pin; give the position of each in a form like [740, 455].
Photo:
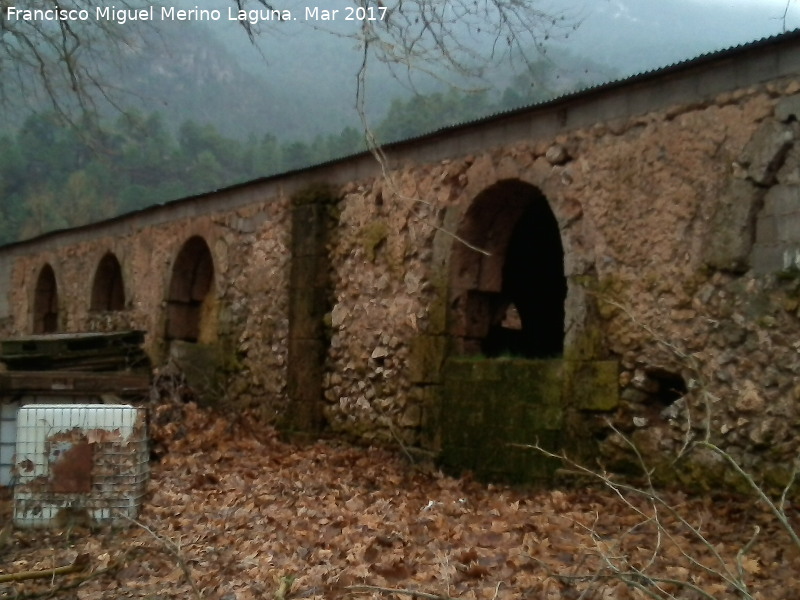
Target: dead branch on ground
[75, 582]
[398, 591]
[284, 587]
[80, 563]
[175, 550]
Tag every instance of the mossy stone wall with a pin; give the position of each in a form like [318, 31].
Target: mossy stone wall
[309, 303]
[492, 408]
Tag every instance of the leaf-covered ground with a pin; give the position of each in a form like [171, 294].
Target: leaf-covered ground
[233, 513]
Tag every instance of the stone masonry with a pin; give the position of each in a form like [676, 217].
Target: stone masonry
[620, 265]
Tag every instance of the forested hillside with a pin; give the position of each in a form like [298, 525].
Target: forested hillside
[54, 175]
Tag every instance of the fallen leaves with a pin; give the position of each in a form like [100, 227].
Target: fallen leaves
[244, 516]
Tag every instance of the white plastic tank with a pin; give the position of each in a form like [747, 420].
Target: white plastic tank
[83, 463]
[8, 440]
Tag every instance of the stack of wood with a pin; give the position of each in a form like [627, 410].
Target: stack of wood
[116, 351]
[75, 365]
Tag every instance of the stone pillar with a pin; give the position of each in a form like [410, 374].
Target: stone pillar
[310, 298]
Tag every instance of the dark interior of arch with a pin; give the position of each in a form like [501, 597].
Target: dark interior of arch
[108, 291]
[45, 302]
[534, 284]
[192, 276]
[511, 301]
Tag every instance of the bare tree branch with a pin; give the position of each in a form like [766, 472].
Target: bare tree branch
[447, 37]
[63, 58]
[63, 54]
[785, 13]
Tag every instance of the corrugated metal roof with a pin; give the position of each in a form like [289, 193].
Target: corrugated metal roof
[621, 82]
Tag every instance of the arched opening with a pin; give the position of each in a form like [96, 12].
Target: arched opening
[108, 291]
[509, 299]
[192, 277]
[45, 302]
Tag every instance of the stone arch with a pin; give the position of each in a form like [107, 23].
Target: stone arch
[45, 301]
[188, 295]
[508, 298]
[108, 289]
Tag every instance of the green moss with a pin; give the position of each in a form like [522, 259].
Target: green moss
[490, 406]
[697, 472]
[767, 321]
[787, 275]
[316, 193]
[587, 344]
[208, 369]
[790, 304]
[426, 354]
[777, 477]
[437, 308]
[592, 385]
[372, 237]
[604, 291]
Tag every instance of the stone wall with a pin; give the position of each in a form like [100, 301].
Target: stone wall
[661, 213]
[665, 272]
[244, 318]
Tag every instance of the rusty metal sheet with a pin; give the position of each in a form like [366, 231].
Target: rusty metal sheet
[71, 467]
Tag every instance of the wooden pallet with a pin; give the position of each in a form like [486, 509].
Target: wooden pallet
[74, 383]
[114, 351]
